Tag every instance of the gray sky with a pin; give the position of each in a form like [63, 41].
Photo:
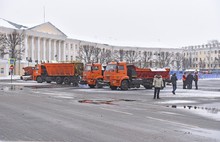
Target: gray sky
[163, 23]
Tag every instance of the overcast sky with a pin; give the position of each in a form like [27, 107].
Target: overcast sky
[173, 23]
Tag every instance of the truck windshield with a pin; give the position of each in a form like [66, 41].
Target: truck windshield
[111, 67]
[88, 68]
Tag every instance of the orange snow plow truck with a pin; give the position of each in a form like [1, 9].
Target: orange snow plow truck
[60, 73]
[93, 75]
[125, 76]
[28, 73]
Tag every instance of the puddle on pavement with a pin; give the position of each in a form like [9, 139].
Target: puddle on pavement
[11, 88]
[47, 86]
[210, 112]
[108, 102]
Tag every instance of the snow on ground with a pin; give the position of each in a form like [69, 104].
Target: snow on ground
[9, 77]
[176, 101]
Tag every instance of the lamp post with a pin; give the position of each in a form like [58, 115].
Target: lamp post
[29, 60]
[55, 57]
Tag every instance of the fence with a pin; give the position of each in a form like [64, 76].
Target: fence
[179, 75]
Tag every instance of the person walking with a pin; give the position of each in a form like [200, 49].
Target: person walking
[173, 81]
[189, 80]
[158, 84]
[184, 80]
[196, 78]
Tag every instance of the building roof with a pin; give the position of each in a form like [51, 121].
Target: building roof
[9, 24]
[47, 28]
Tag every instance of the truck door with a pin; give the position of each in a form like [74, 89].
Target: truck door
[131, 72]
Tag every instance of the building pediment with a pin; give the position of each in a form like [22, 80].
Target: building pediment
[47, 28]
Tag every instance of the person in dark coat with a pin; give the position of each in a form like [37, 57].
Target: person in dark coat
[189, 80]
[173, 81]
[196, 78]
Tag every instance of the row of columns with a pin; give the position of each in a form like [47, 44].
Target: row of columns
[44, 49]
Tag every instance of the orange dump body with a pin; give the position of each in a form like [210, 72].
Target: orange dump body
[149, 73]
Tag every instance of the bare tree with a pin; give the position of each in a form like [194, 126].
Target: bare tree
[145, 58]
[131, 56]
[85, 53]
[202, 64]
[106, 56]
[165, 59]
[96, 54]
[177, 60]
[119, 55]
[12, 44]
[216, 62]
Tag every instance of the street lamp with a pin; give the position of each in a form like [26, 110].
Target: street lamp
[55, 57]
[29, 60]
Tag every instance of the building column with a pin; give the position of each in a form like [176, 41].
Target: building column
[49, 50]
[26, 47]
[38, 49]
[59, 47]
[55, 50]
[69, 52]
[44, 49]
[32, 47]
[64, 51]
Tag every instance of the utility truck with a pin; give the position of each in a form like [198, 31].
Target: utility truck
[124, 76]
[93, 75]
[60, 73]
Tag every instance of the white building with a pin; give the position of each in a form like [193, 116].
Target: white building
[46, 43]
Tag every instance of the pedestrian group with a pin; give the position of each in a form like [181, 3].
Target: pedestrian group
[158, 83]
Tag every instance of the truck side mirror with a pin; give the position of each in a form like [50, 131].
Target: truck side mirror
[117, 69]
[91, 69]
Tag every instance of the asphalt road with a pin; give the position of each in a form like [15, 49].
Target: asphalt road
[66, 113]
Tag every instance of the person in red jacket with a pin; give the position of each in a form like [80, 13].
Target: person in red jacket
[184, 80]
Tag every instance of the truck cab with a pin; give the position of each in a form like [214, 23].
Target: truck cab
[122, 75]
[93, 75]
[39, 73]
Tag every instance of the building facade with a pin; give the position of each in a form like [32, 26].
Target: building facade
[205, 57]
[46, 43]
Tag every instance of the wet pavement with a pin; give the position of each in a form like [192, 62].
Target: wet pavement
[50, 112]
[207, 110]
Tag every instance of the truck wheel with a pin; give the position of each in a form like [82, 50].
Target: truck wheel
[124, 85]
[59, 80]
[113, 87]
[98, 85]
[39, 79]
[148, 87]
[92, 86]
[66, 80]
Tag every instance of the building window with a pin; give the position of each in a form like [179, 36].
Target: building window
[66, 57]
[2, 70]
[71, 58]
[76, 46]
[66, 46]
